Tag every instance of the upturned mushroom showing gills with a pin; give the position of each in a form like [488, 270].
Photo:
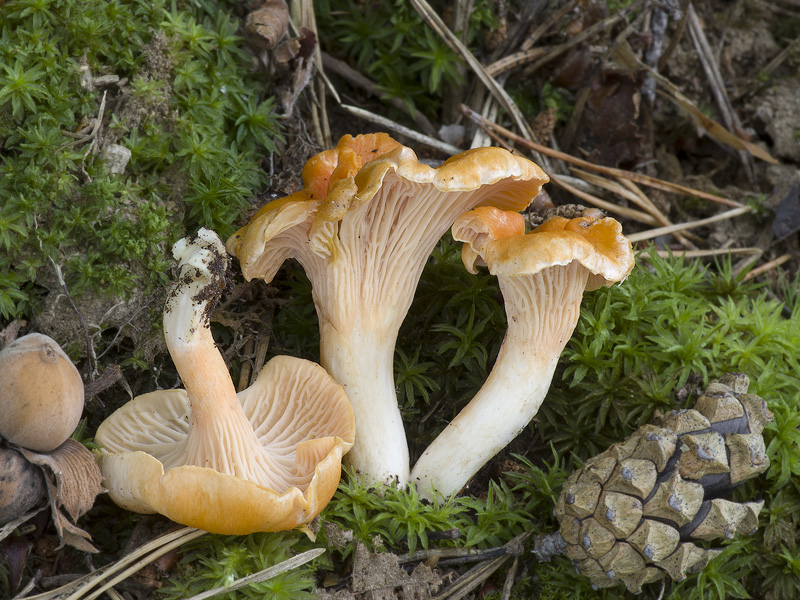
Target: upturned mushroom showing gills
[542, 275]
[362, 228]
[267, 459]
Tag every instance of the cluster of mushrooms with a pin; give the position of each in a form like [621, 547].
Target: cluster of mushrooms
[269, 458]
[363, 226]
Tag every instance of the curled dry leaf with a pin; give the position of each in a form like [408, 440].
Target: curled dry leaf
[268, 23]
[77, 475]
[73, 480]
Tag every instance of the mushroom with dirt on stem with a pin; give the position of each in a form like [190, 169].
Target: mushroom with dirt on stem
[542, 276]
[363, 228]
[267, 459]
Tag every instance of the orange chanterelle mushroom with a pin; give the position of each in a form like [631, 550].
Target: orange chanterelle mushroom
[362, 228]
[267, 459]
[542, 276]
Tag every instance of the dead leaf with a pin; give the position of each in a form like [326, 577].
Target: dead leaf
[78, 478]
[293, 66]
[268, 23]
[609, 125]
[16, 551]
[67, 532]
[73, 481]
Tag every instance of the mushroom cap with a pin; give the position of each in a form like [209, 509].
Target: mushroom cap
[302, 419]
[495, 238]
[41, 398]
[342, 179]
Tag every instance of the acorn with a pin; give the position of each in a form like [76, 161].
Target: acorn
[632, 514]
[41, 399]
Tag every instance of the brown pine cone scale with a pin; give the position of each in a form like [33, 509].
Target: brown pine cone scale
[631, 514]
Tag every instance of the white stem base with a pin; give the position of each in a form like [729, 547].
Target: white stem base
[542, 311]
[362, 362]
[502, 408]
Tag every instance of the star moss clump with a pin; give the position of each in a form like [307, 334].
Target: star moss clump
[171, 83]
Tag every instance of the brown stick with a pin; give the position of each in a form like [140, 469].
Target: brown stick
[653, 233]
[587, 197]
[658, 184]
[364, 83]
[608, 206]
[767, 266]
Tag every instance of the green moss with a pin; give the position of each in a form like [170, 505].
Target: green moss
[389, 42]
[670, 327]
[194, 117]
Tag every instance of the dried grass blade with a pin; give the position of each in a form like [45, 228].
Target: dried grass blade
[653, 233]
[625, 57]
[619, 190]
[269, 573]
[515, 60]
[435, 22]
[685, 239]
[587, 33]
[729, 116]
[768, 266]
[396, 127]
[630, 213]
[145, 560]
[150, 551]
[472, 579]
[653, 182]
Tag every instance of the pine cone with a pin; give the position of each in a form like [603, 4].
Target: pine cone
[631, 514]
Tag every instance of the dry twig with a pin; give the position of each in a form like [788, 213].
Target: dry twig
[768, 266]
[396, 127]
[364, 83]
[653, 182]
[654, 233]
[435, 22]
[729, 116]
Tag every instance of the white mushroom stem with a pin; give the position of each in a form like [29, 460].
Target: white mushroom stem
[220, 436]
[542, 311]
[361, 360]
[372, 218]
